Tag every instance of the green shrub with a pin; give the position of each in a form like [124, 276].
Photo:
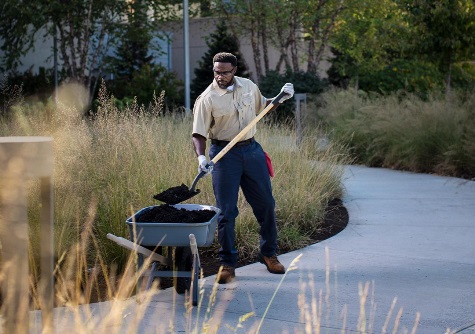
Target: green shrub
[32, 87]
[434, 135]
[463, 76]
[417, 77]
[411, 76]
[40, 84]
[150, 80]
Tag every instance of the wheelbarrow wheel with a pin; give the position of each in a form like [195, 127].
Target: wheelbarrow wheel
[183, 262]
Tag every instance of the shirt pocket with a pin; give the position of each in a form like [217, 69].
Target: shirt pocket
[247, 99]
[246, 110]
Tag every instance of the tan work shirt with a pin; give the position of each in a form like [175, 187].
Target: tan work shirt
[222, 113]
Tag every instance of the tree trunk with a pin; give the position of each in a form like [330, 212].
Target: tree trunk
[326, 35]
[256, 51]
[283, 45]
[311, 66]
[356, 85]
[265, 47]
[293, 42]
[254, 35]
[448, 82]
[262, 30]
[283, 58]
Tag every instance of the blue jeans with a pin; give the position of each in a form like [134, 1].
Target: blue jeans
[245, 167]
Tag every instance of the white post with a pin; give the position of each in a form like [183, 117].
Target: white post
[20, 159]
[300, 106]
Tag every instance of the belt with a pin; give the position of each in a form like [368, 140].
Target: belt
[239, 143]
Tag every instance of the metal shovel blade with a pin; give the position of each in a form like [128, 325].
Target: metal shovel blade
[181, 193]
[176, 194]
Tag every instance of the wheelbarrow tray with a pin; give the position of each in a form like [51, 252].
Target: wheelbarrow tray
[173, 234]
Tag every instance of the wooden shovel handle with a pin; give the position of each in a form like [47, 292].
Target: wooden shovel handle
[276, 101]
[274, 104]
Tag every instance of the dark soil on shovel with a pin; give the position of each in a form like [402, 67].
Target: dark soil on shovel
[176, 194]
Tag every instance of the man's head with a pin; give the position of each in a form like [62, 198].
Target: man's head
[224, 68]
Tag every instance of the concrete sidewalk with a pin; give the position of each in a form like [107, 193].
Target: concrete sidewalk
[405, 260]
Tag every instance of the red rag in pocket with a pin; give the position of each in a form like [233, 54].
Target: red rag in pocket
[269, 165]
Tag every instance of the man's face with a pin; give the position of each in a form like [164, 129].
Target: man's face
[224, 74]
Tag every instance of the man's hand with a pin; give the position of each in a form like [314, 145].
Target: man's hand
[202, 162]
[288, 89]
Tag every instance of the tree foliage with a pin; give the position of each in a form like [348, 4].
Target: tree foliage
[444, 32]
[368, 36]
[132, 51]
[373, 38]
[85, 30]
[218, 41]
[299, 29]
[134, 74]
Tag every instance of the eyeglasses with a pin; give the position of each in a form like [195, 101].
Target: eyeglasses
[223, 73]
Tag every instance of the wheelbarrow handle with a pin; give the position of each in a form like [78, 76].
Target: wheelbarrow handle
[193, 245]
[137, 248]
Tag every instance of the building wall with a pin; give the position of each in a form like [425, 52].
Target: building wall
[40, 56]
[173, 51]
[201, 28]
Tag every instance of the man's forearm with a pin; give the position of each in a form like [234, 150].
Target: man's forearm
[199, 144]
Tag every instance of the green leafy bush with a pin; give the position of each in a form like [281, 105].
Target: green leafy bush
[41, 84]
[410, 76]
[432, 135]
[148, 80]
[463, 76]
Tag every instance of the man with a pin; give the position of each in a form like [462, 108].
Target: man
[227, 106]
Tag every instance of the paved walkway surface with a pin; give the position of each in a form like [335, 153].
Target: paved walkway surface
[404, 264]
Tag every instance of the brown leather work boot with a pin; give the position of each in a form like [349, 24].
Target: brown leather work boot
[272, 264]
[227, 275]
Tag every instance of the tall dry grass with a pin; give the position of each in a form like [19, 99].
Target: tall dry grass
[110, 166]
[436, 135]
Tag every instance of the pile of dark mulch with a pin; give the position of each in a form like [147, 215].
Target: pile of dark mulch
[335, 220]
[169, 214]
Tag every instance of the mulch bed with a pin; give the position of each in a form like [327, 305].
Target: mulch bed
[335, 220]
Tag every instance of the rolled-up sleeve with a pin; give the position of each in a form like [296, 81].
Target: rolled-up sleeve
[202, 116]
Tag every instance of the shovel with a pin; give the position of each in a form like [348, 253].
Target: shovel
[181, 193]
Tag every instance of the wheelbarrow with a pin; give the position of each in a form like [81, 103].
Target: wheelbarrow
[182, 239]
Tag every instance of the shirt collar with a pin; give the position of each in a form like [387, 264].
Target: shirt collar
[221, 91]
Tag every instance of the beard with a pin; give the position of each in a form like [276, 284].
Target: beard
[223, 83]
